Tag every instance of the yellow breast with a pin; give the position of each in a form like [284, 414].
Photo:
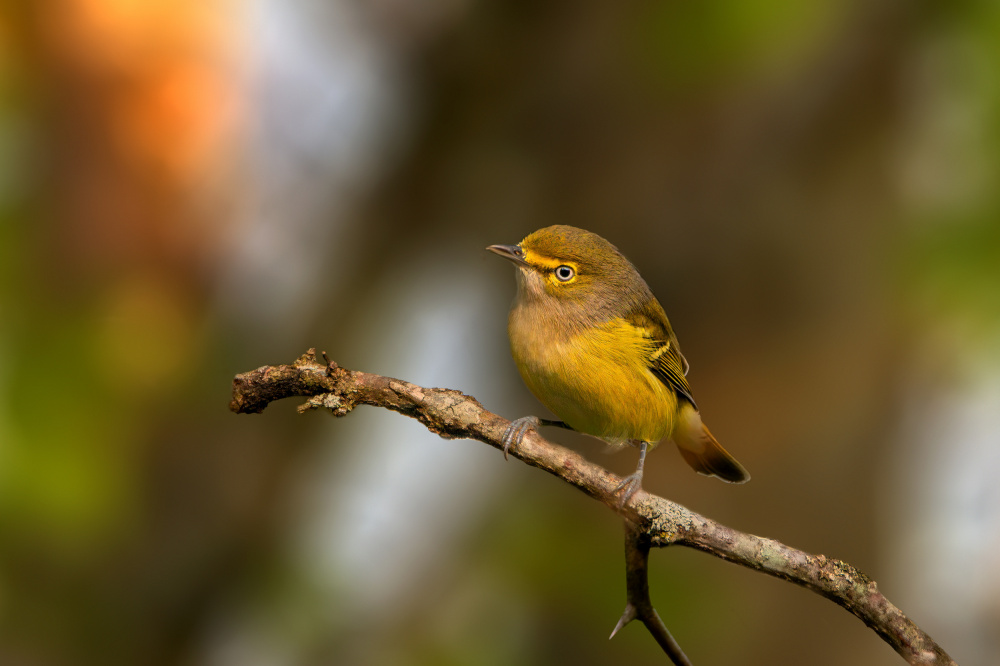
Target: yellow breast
[597, 380]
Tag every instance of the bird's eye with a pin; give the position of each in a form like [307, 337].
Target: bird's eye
[564, 273]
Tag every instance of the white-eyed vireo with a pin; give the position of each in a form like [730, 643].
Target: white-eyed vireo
[595, 346]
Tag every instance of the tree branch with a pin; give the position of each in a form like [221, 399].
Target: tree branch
[655, 521]
[638, 605]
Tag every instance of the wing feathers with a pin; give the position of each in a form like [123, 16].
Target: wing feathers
[666, 360]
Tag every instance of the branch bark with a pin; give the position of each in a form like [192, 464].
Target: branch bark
[654, 521]
[638, 605]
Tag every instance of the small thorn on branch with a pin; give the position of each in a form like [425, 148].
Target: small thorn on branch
[331, 366]
[626, 617]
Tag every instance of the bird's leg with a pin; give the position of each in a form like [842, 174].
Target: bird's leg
[518, 428]
[633, 481]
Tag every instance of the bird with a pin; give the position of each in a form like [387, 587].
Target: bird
[593, 344]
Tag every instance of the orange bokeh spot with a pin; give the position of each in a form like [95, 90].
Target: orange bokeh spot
[170, 65]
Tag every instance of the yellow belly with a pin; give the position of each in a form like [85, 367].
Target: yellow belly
[597, 381]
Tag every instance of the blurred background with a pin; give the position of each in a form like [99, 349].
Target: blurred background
[189, 190]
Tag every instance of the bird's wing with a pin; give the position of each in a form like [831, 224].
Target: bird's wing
[666, 360]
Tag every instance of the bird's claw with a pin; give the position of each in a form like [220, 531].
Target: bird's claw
[628, 487]
[516, 431]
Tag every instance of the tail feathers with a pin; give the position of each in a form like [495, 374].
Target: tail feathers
[703, 453]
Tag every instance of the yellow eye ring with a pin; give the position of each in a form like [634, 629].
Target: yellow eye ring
[564, 273]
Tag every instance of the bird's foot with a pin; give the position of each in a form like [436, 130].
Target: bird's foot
[516, 431]
[628, 487]
[633, 482]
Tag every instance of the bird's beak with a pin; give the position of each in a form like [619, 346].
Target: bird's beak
[510, 252]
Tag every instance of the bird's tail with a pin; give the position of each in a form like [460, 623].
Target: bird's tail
[700, 449]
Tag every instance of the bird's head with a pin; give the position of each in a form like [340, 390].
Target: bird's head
[573, 267]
